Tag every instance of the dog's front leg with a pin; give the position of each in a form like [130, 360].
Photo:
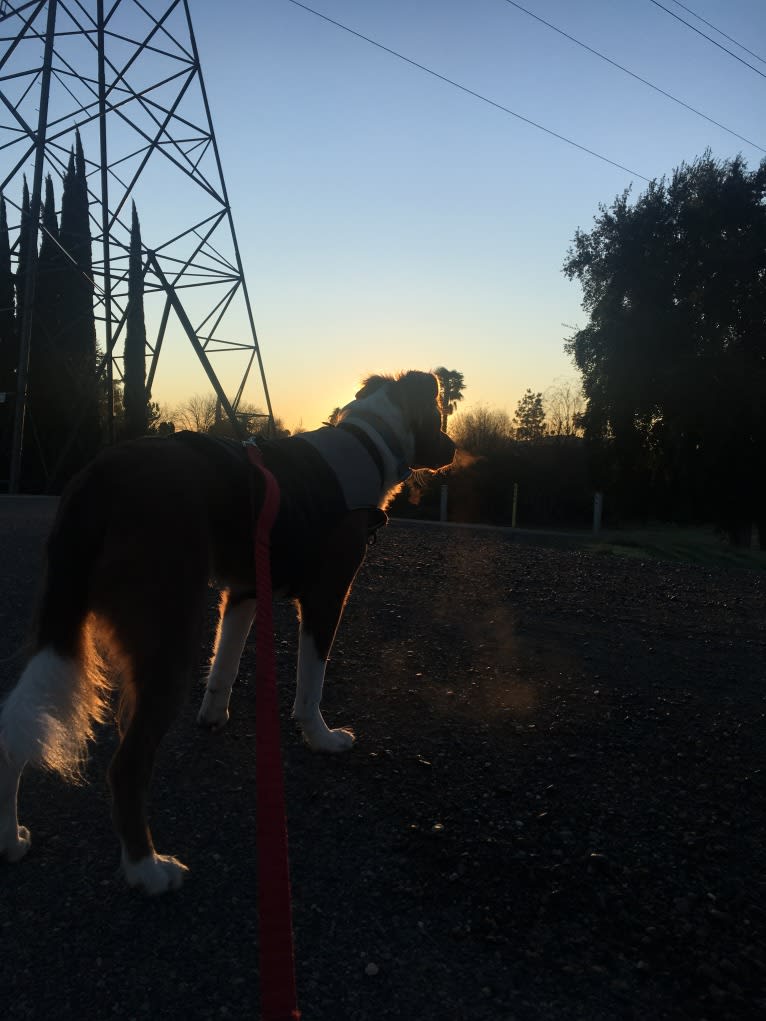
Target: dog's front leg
[308, 698]
[321, 605]
[236, 618]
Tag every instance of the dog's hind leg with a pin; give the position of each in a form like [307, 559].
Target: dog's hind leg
[236, 618]
[156, 619]
[158, 689]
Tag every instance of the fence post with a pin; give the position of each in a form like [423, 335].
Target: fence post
[443, 504]
[515, 504]
[598, 506]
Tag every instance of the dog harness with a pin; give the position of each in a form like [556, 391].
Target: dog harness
[322, 475]
[355, 460]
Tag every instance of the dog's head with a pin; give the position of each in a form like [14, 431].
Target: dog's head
[415, 395]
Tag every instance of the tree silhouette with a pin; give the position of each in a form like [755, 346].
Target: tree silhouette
[564, 407]
[134, 394]
[482, 430]
[76, 341]
[451, 386]
[674, 354]
[529, 419]
[51, 399]
[23, 263]
[78, 329]
[9, 347]
[62, 430]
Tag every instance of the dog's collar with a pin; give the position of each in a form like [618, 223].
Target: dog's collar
[387, 435]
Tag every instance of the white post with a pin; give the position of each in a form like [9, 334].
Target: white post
[443, 504]
[598, 506]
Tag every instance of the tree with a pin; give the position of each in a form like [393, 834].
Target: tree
[9, 355]
[9, 344]
[78, 327]
[134, 395]
[23, 263]
[451, 386]
[564, 406]
[51, 402]
[159, 419]
[197, 413]
[482, 431]
[76, 340]
[673, 357]
[64, 397]
[50, 283]
[529, 419]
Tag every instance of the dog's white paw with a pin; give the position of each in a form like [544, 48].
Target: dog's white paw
[15, 843]
[320, 738]
[157, 873]
[214, 711]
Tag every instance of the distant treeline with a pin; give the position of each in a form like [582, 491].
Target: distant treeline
[554, 489]
[673, 371]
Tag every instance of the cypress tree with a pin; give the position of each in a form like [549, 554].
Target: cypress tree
[48, 390]
[49, 283]
[63, 393]
[92, 433]
[134, 396]
[21, 269]
[8, 337]
[78, 337]
[9, 348]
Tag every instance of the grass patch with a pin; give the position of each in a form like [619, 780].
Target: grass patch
[683, 545]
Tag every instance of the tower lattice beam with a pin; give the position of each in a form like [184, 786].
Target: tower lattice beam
[128, 78]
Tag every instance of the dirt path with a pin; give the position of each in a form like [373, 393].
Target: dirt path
[555, 808]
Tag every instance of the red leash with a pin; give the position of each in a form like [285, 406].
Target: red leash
[279, 1000]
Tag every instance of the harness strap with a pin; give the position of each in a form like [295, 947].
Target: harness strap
[277, 958]
[366, 441]
[385, 432]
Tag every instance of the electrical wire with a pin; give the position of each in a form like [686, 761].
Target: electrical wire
[637, 77]
[718, 30]
[470, 92]
[709, 38]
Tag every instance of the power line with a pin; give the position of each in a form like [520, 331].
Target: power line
[719, 31]
[632, 74]
[709, 38]
[470, 92]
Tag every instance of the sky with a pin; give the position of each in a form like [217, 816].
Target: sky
[389, 220]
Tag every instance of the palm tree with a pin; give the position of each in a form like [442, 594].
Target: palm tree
[451, 386]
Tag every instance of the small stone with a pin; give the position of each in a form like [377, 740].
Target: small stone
[371, 969]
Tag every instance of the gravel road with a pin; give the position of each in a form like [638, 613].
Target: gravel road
[554, 809]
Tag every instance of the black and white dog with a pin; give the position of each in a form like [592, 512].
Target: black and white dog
[138, 536]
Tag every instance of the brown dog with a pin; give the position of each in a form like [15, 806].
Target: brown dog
[139, 534]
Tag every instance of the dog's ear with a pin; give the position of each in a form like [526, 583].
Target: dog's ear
[370, 385]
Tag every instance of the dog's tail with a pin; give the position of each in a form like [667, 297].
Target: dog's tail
[48, 718]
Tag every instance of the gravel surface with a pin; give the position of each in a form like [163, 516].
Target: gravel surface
[554, 810]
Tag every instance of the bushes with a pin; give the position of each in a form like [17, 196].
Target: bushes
[552, 475]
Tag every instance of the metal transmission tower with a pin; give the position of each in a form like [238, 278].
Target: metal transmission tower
[127, 76]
